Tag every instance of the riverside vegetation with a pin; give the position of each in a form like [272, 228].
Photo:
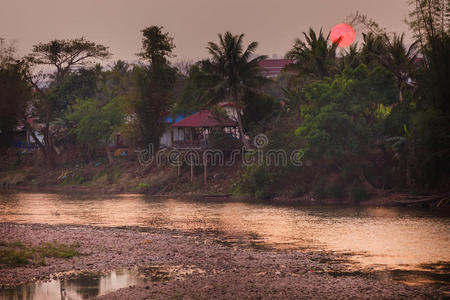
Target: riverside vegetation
[14, 254]
[371, 119]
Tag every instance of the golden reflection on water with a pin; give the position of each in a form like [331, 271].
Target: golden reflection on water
[76, 288]
[378, 237]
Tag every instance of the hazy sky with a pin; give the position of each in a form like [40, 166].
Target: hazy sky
[117, 23]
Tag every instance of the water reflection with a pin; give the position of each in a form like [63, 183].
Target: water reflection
[377, 237]
[83, 286]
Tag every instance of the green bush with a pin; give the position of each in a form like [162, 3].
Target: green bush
[143, 187]
[430, 138]
[258, 181]
[54, 249]
[264, 193]
[298, 191]
[357, 192]
[15, 254]
[319, 189]
[335, 190]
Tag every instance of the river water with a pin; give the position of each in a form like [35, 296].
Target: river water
[397, 239]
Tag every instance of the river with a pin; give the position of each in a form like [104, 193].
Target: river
[396, 239]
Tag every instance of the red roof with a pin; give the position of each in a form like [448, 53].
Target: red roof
[225, 104]
[273, 67]
[205, 118]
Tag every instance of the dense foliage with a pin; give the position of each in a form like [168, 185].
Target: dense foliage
[368, 119]
[94, 126]
[155, 81]
[14, 94]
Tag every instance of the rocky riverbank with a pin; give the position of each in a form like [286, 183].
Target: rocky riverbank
[216, 269]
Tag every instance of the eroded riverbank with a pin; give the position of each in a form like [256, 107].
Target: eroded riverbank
[215, 269]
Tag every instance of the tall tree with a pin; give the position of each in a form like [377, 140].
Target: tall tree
[63, 56]
[315, 57]
[15, 95]
[351, 58]
[430, 22]
[155, 80]
[229, 73]
[399, 59]
[157, 46]
[429, 142]
[372, 45]
[340, 115]
[95, 125]
[429, 19]
[7, 52]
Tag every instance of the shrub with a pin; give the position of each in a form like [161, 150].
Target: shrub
[357, 192]
[143, 187]
[257, 180]
[54, 249]
[298, 191]
[264, 193]
[335, 190]
[218, 139]
[15, 254]
[319, 189]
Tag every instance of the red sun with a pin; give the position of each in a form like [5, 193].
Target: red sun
[344, 32]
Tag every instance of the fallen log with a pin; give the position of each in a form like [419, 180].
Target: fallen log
[416, 200]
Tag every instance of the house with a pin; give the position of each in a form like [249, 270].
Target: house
[22, 137]
[169, 136]
[193, 131]
[272, 67]
[230, 109]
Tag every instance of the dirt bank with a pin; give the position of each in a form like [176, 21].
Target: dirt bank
[223, 271]
[126, 175]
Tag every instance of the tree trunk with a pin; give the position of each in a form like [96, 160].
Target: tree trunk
[90, 157]
[35, 138]
[241, 131]
[400, 96]
[50, 157]
[409, 165]
[45, 148]
[108, 153]
[239, 119]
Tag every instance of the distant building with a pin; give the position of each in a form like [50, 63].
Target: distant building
[193, 131]
[230, 109]
[272, 67]
[169, 136]
[22, 137]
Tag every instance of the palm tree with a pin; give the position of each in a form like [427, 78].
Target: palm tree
[315, 57]
[371, 48]
[351, 58]
[230, 72]
[398, 59]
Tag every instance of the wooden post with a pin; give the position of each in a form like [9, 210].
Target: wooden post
[192, 171]
[179, 169]
[205, 174]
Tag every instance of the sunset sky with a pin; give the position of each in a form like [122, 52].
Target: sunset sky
[192, 23]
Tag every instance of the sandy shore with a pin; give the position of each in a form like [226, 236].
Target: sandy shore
[212, 269]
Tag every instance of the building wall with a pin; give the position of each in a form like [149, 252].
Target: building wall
[166, 140]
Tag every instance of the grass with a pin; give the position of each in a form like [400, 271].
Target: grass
[14, 254]
[12, 178]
